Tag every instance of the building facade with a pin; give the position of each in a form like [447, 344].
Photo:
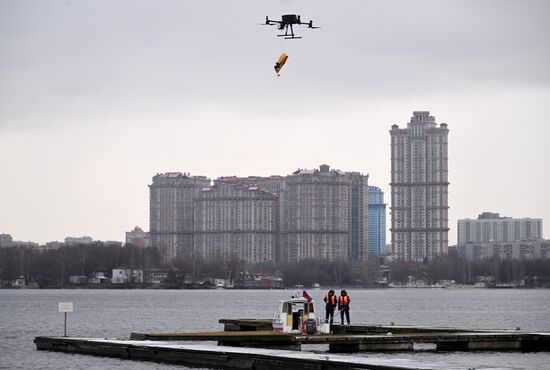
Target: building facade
[5, 240]
[171, 227]
[234, 219]
[419, 188]
[359, 216]
[275, 184]
[490, 227]
[317, 215]
[518, 250]
[310, 214]
[377, 222]
[138, 237]
[491, 235]
[70, 240]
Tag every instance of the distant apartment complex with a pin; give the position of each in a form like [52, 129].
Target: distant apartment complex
[6, 241]
[419, 188]
[490, 227]
[310, 214]
[377, 222]
[491, 235]
[233, 218]
[171, 227]
[519, 250]
[79, 240]
[138, 237]
[321, 219]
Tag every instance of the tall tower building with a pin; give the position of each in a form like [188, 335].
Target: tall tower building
[377, 222]
[171, 224]
[359, 216]
[419, 188]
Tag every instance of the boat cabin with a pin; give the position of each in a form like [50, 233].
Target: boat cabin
[297, 315]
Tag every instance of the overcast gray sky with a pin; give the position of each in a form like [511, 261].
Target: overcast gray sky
[97, 96]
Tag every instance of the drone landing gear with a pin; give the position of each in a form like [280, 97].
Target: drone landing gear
[288, 36]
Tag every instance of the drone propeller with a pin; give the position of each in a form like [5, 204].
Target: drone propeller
[270, 22]
[310, 24]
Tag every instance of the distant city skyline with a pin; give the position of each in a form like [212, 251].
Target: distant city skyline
[96, 97]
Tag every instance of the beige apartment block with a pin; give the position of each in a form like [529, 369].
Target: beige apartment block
[235, 219]
[171, 198]
[317, 215]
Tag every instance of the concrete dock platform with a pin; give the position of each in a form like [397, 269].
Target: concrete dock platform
[366, 338]
[339, 343]
[226, 357]
[268, 349]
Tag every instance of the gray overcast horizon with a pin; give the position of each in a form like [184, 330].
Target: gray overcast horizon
[97, 96]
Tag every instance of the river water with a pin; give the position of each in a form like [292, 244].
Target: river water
[25, 314]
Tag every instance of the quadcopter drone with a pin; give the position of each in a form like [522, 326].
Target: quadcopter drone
[286, 23]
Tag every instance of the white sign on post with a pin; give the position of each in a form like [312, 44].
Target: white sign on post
[65, 306]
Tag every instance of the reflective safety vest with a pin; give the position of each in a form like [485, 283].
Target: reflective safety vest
[330, 299]
[344, 300]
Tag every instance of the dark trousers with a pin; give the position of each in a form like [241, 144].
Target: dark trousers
[330, 313]
[346, 311]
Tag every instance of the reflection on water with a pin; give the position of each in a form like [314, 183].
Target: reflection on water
[25, 314]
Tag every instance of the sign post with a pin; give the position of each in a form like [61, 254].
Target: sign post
[65, 307]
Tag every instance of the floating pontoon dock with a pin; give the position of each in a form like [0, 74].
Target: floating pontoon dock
[338, 343]
[228, 357]
[269, 349]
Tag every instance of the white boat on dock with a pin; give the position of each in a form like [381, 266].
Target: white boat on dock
[297, 315]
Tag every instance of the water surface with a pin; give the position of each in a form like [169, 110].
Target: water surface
[25, 314]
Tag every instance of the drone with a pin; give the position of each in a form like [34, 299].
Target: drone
[286, 23]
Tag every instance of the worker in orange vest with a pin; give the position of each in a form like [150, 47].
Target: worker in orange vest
[343, 305]
[330, 300]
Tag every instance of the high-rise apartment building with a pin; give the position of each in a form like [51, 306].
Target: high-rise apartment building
[419, 188]
[359, 221]
[490, 227]
[317, 215]
[234, 219]
[310, 214]
[275, 184]
[171, 213]
[377, 221]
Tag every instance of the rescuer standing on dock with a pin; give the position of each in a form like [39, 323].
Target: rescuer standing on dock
[343, 305]
[330, 300]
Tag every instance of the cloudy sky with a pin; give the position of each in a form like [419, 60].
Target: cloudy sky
[97, 96]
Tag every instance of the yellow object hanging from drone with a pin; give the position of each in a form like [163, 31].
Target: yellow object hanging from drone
[280, 63]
